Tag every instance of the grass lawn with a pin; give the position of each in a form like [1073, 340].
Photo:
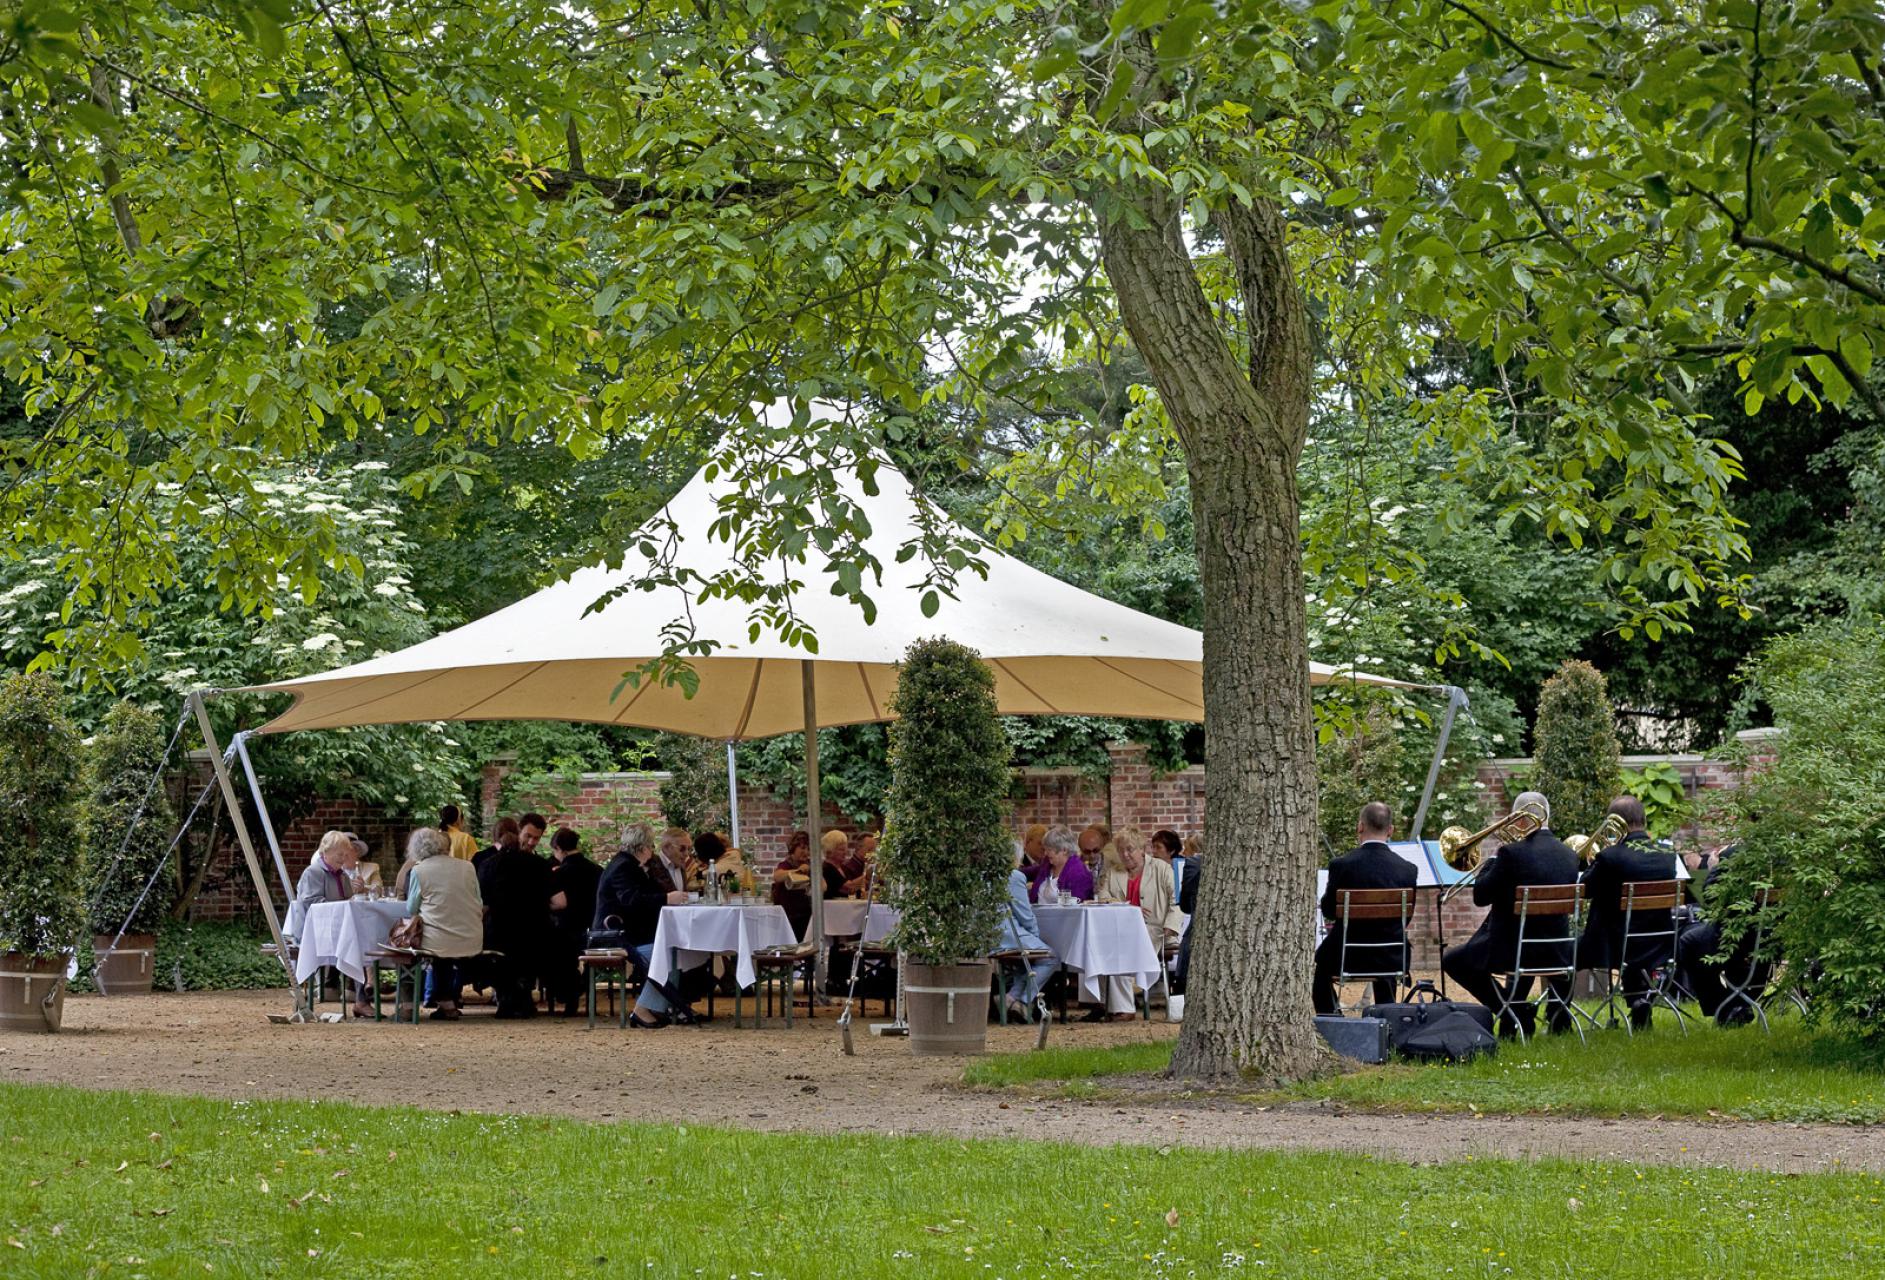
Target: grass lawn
[144, 1185]
[1794, 1074]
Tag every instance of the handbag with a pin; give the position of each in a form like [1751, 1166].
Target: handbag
[611, 937]
[408, 934]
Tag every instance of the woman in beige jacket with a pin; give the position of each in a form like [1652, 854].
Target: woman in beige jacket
[1147, 884]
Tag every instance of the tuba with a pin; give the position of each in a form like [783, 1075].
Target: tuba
[1465, 850]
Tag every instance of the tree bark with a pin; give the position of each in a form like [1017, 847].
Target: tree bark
[1248, 1010]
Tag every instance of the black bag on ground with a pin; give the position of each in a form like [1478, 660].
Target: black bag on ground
[1431, 1029]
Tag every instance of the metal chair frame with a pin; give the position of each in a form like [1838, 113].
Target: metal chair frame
[1547, 901]
[1764, 900]
[1374, 904]
[1645, 895]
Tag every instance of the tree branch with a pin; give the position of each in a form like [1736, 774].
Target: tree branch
[1505, 39]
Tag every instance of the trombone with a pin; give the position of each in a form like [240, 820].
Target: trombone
[1587, 847]
[1464, 850]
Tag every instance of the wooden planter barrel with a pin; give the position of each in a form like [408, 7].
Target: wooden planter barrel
[32, 992]
[947, 1007]
[127, 970]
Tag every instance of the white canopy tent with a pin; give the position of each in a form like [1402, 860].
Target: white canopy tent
[1054, 648]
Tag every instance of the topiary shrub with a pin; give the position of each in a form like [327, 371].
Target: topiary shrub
[946, 852]
[41, 859]
[125, 756]
[1574, 745]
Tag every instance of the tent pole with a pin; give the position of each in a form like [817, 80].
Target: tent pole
[814, 811]
[241, 744]
[733, 792]
[1455, 699]
[302, 1013]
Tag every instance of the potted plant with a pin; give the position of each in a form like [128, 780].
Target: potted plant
[41, 863]
[946, 852]
[126, 827]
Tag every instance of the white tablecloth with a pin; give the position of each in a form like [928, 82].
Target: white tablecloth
[687, 937]
[844, 918]
[341, 933]
[1100, 942]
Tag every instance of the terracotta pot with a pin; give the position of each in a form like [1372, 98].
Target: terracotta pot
[947, 1006]
[32, 992]
[127, 970]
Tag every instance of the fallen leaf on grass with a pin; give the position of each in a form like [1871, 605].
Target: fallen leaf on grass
[15, 1243]
[340, 1173]
[304, 1198]
[122, 1167]
[165, 1165]
[37, 1182]
[937, 1231]
[1171, 1217]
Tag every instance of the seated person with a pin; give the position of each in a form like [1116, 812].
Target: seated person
[792, 879]
[1371, 864]
[840, 862]
[675, 859]
[1021, 932]
[1633, 858]
[1098, 851]
[443, 892]
[711, 850]
[1187, 903]
[866, 857]
[1067, 879]
[365, 875]
[516, 887]
[1540, 858]
[1146, 883]
[1034, 864]
[327, 878]
[1700, 970]
[629, 898]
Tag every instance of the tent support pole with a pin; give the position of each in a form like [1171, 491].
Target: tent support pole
[241, 744]
[733, 792]
[814, 812]
[302, 1013]
[1455, 699]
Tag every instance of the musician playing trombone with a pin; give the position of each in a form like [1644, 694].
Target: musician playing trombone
[1633, 858]
[1540, 858]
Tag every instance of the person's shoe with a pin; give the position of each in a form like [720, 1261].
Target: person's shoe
[1017, 1012]
[1095, 1014]
[1122, 1017]
[362, 1011]
[634, 1021]
[446, 1013]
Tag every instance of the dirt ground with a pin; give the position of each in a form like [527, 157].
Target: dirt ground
[220, 1045]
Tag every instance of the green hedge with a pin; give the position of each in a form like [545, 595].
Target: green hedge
[209, 956]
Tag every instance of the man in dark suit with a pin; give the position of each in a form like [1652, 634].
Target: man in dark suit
[1697, 967]
[1632, 858]
[1187, 903]
[516, 886]
[1370, 865]
[1540, 858]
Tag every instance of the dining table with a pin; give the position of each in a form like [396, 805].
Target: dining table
[1100, 940]
[341, 933]
[688, 936]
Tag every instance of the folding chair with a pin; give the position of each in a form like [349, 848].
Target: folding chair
[1009, 963]
[1543, 902]
[1646, 897]
[1744, 991]
[1366, 961]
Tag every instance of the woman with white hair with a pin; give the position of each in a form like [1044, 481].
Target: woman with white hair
[443, 892]
[629, 898]
[327, 878]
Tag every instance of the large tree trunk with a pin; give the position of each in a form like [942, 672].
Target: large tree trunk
[1247, 1008]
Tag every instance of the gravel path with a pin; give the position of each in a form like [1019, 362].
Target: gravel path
[220, 1045]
